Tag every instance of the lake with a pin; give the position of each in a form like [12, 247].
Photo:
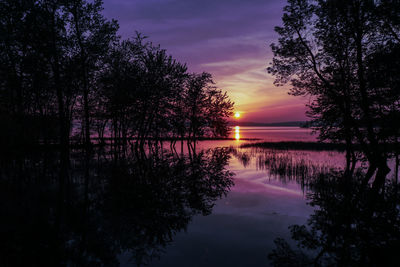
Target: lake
[245, 134]
[259, 207]
[222, 206]
[273, 134]
[269, 195]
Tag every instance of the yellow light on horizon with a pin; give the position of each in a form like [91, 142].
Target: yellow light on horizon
[237, 115]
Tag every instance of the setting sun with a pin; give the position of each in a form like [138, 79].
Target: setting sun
[237, 115]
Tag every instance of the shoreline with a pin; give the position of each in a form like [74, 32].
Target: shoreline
[297, 145]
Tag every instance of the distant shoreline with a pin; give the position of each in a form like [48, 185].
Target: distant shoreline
[297, 145]
[302, 124]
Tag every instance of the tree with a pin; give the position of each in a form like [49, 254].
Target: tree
[207, 107]
[91, 35]
[61, 61]
[27, 72]
[324, 50]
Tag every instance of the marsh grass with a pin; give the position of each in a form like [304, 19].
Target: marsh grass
[288, 165]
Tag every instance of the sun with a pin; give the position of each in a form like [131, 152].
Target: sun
[237, 115]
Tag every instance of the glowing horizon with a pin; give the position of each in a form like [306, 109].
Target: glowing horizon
[228, 39]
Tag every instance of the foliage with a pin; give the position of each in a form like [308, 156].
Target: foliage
[344, 55]
[63, 61]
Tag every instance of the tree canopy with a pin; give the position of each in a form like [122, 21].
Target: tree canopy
[345, 56]
[67, 76]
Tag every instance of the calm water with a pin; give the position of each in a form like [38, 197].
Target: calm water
[223, 207]
[242, 135]
[273, 134]
[241, 229]
[259, 207]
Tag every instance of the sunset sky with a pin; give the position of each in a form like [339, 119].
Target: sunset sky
[228, 38]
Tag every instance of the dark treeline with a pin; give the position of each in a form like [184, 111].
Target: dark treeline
[345, 55]
[66, 74]
[128, 210]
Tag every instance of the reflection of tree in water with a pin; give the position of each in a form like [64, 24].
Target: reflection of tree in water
[132, 206]
[352, 225]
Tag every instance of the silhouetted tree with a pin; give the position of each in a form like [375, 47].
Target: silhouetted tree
[207, 107]
[163, 82]
[28, 72]
[62, 61]
[91, 36]
[326, 50]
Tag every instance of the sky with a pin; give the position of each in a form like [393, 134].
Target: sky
[228, 38]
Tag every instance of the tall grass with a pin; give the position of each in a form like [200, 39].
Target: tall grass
[287, 165]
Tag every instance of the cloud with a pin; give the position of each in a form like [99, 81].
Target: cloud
[228, 38]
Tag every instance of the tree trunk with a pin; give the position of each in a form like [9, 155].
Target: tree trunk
[381, 174]
[84, 80]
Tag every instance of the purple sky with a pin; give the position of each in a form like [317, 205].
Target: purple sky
[228, 38]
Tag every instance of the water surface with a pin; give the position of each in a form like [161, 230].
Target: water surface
[260, 206]
[274, 134]
[245, 134]
[216, 207]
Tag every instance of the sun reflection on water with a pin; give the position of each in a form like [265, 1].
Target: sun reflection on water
[237, 132]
